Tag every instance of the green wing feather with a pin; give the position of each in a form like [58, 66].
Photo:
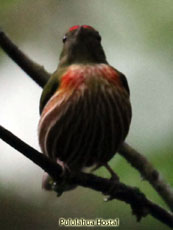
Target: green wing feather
[50, 88]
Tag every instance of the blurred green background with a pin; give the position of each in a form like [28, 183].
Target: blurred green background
[137, 37]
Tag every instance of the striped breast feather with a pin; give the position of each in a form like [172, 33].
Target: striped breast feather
[114, 120]
[86, 126]
[50, 114]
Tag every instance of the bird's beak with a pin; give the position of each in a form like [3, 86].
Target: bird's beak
[79, 32]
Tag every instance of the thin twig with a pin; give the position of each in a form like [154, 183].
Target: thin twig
[140, 205]
[148, 172]
[40, 76]
[35, 71]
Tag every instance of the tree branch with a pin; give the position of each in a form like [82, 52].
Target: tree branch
[40, 76]
[140, 205]
[148, 172]
[35, 71]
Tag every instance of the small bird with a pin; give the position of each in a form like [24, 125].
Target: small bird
[85, 106]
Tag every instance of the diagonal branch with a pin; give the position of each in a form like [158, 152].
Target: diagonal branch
[140, 205]
[148, 172]
[35, 71]
[138, 161]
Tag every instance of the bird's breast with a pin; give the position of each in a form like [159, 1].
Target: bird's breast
[78, 75]
[87, 118]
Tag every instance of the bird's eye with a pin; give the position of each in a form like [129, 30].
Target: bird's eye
[64, 38]
[98, 38]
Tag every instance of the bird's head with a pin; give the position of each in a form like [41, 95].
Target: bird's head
[82, 44]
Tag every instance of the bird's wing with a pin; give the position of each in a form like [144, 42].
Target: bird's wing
[50, 88]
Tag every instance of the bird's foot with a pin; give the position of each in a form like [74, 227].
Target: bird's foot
[47, 182]
[61, 185]
[64, 166]
[98, 165]
[114, 176]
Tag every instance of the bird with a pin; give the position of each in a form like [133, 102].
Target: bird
[85, 108]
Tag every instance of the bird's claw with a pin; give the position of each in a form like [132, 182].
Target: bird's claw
[64, 166]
